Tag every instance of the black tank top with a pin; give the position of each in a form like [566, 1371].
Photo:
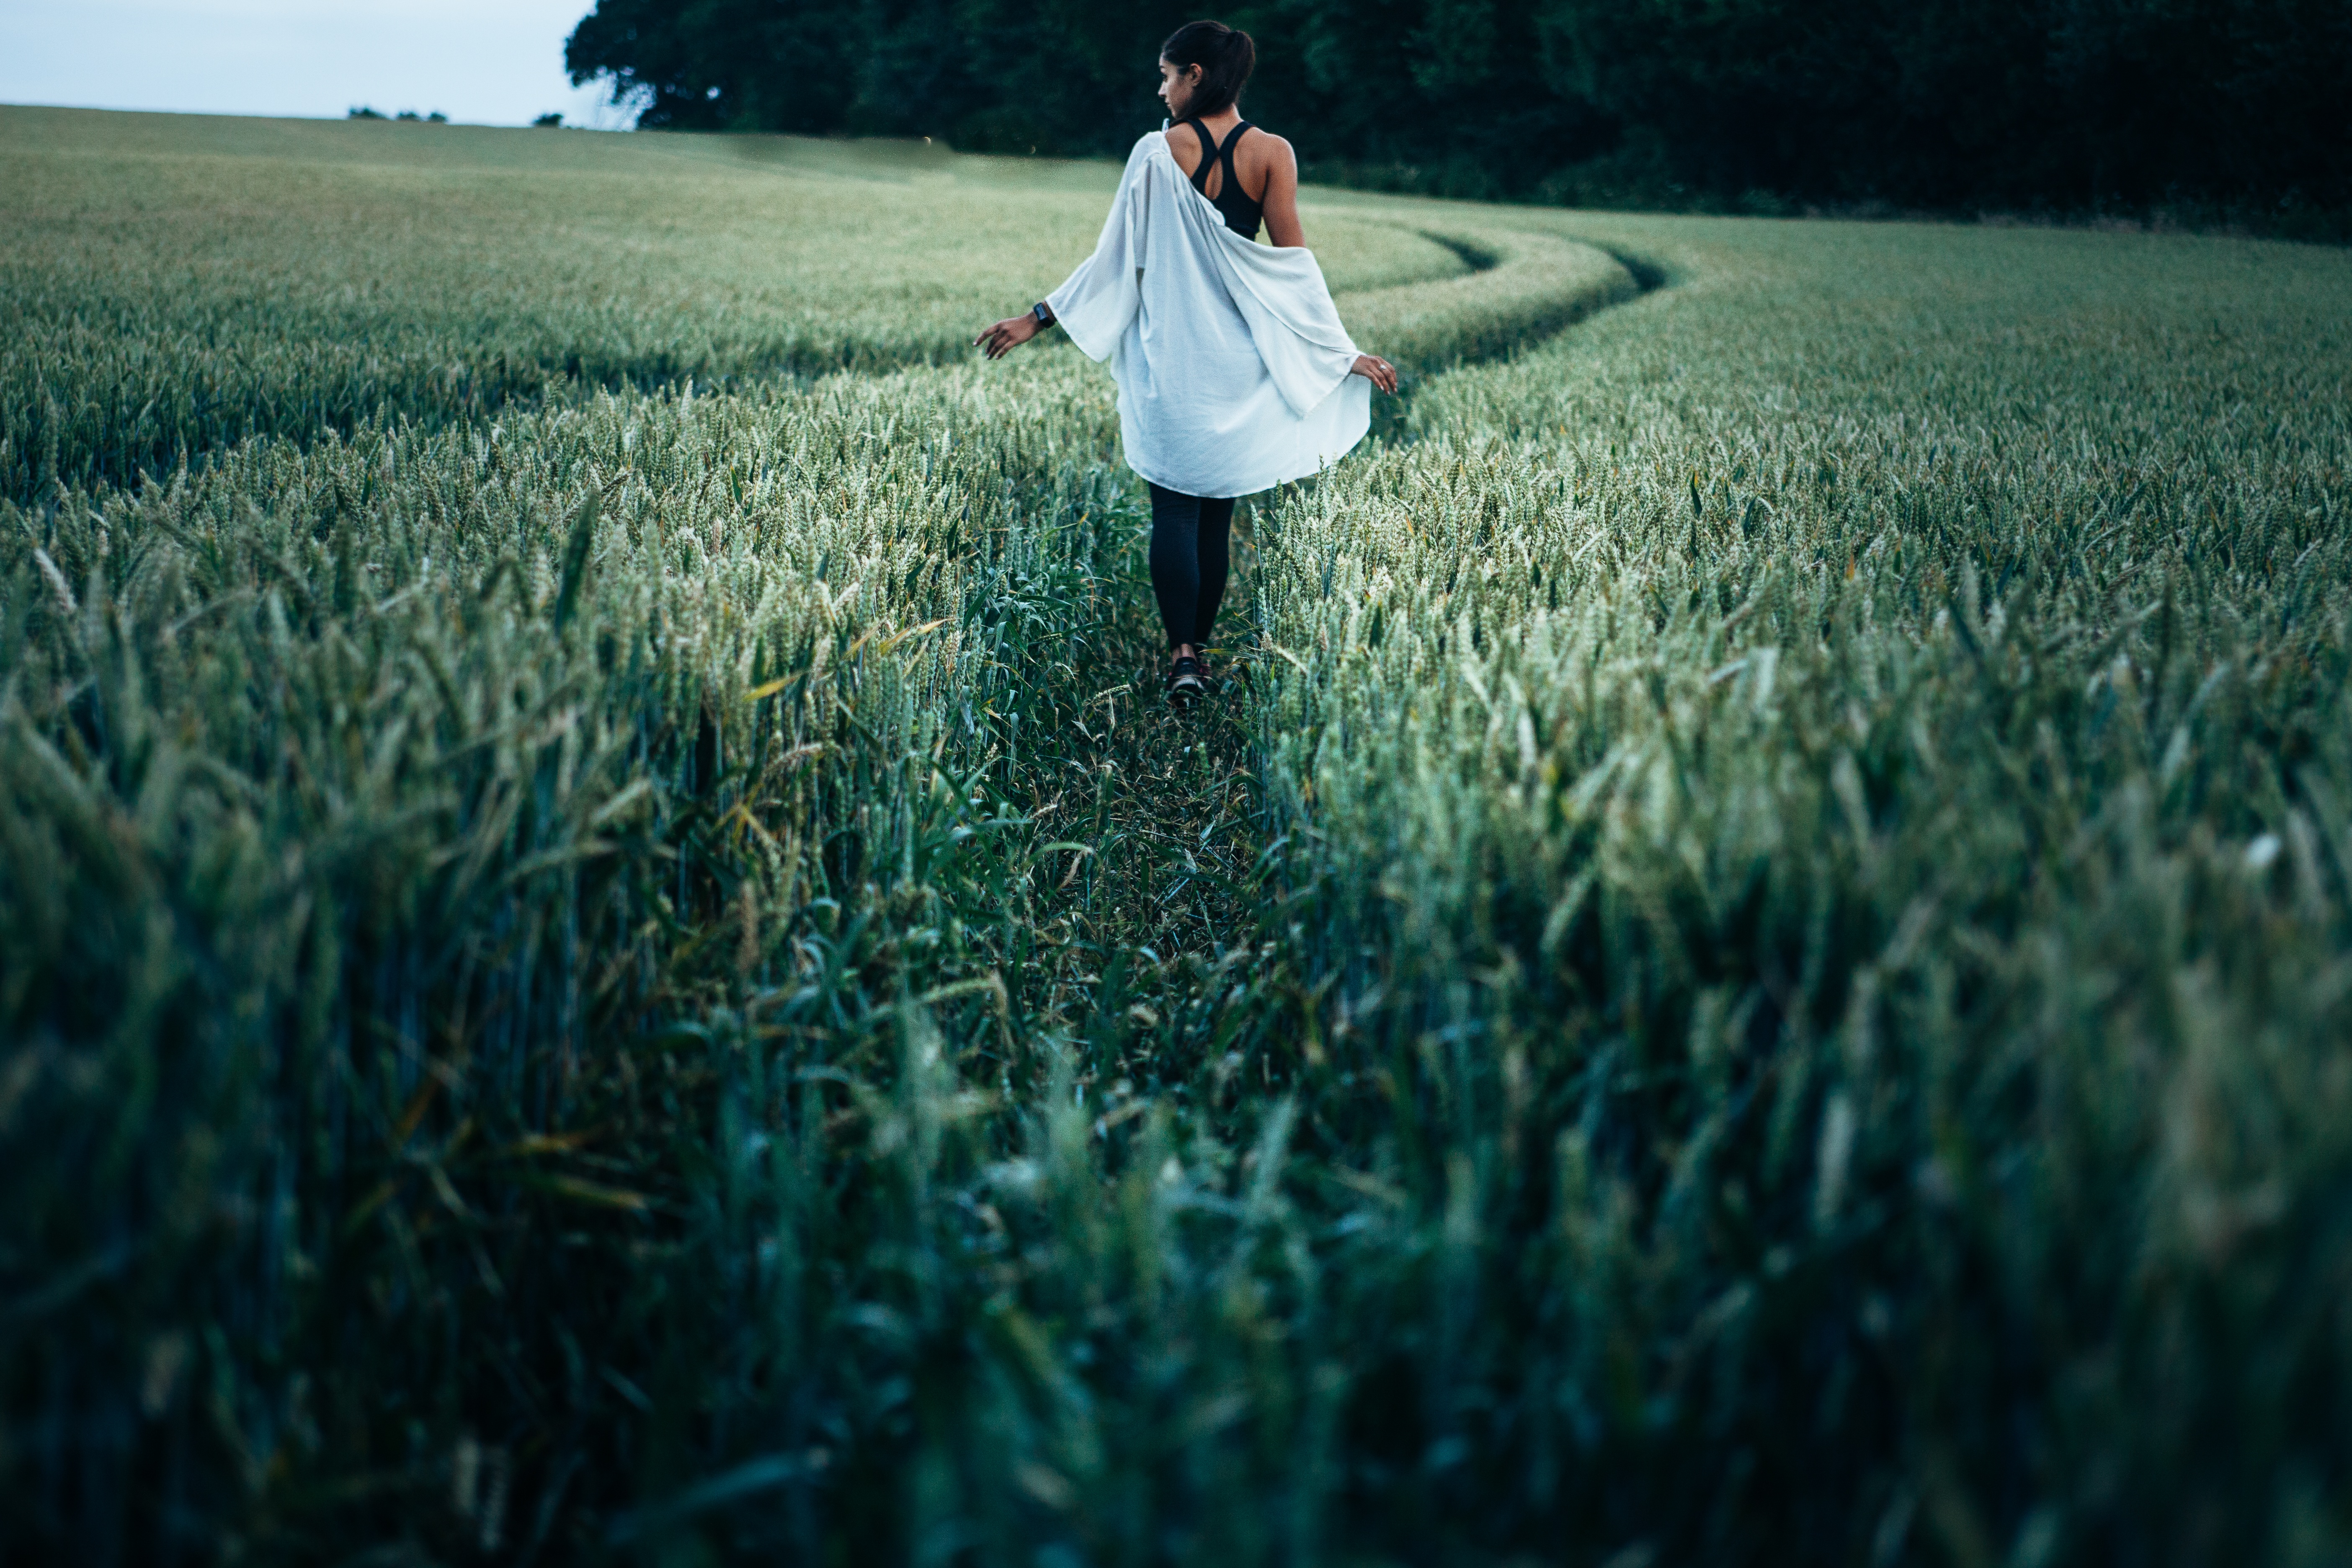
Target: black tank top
[1242, 214]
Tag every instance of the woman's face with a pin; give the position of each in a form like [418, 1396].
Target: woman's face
[1177, 84]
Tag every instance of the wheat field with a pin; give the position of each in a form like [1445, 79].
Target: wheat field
[607, 952]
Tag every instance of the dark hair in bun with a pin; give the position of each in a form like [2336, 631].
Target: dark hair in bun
[1225, 55]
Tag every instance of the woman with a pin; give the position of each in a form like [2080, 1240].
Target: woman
[1234, 372]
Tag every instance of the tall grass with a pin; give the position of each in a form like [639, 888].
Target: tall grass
[165, 298]
[361, 802]
[1749, 971]
[1820, 814]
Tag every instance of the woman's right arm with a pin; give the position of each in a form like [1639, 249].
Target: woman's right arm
[1287, 232]
[1280, 203]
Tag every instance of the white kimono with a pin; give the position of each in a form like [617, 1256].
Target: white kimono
[1230, 361]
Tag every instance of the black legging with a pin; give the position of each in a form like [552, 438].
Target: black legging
[1190, 553]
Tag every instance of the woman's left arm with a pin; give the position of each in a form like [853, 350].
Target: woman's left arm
[1281, 199]
[1096, 303]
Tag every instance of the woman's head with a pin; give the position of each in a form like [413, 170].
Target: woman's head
[1202, 68]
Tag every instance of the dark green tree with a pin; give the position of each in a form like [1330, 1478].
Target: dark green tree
[2235, 105]
[728, 65]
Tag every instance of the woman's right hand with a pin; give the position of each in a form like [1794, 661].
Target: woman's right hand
[1377, 371]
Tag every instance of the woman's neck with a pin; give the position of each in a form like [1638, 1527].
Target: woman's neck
[1223, 119]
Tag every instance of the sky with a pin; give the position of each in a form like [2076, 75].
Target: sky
[480, 62]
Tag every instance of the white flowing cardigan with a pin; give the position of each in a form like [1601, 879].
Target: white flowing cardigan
[1230, 361]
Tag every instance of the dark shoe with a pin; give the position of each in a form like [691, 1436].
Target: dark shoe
[1185, 685]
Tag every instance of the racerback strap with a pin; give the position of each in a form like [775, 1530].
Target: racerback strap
[1212, 153]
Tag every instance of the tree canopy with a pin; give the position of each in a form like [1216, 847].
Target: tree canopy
[2067, 104]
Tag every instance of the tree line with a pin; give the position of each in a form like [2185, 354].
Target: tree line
[2234, 108]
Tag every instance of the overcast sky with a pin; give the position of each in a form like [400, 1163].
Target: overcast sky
[485, 62]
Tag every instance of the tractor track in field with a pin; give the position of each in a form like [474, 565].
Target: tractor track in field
[1172, 897]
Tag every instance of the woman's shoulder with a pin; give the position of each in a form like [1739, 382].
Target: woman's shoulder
[1269, 146]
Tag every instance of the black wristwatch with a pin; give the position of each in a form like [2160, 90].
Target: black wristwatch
[1044, 312]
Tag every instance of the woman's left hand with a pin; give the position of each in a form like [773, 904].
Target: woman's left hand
[1377, 371]
[1007, 335]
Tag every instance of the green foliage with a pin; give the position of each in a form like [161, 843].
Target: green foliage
[1748, 968]
[2225, 110]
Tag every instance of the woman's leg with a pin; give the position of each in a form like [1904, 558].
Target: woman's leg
[1215, 553]
[1176, 562]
